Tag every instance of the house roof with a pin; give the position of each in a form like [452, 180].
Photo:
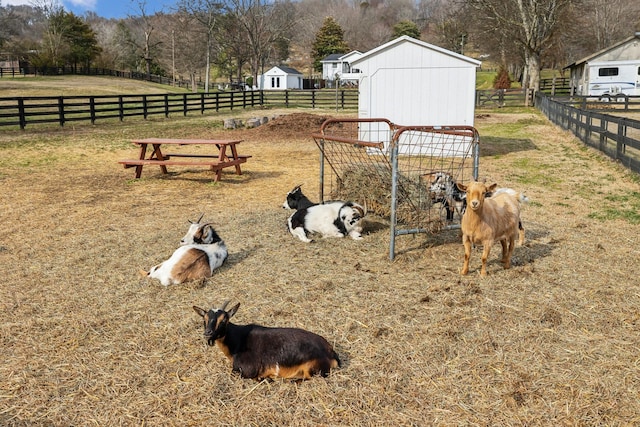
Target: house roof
[405, 39]
[334, 57]
[603, 51]
[337, 57]
[288, 70]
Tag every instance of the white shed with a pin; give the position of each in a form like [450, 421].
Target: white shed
[414, 83]
[280, 78]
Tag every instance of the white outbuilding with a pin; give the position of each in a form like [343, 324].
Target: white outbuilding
[413, 83]
[280, 78]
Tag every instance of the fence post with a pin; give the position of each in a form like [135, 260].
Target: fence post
[166, 105]
[622, 133]
[144, 106]
[184, 104]
[120, 107]
[61, 110]
[603, 131]
[92, 109]
[21, 114]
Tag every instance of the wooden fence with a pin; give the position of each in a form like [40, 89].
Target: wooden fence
[23, 111]
[617, 137]
[501, 98]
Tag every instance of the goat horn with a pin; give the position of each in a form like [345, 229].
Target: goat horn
[198, 221]
[226, 303]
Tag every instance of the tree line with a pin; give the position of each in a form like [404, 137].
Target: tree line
[237, 40]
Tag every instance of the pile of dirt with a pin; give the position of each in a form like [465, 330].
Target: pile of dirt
[295, 124]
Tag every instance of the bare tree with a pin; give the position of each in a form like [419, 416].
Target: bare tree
[531, 24]
[263, 24]
[144, 24]
[206, 14]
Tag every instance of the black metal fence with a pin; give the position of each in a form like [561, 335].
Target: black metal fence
[617, 137]
[23, 111]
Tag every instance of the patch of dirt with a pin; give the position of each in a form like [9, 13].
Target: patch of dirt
[289, 125]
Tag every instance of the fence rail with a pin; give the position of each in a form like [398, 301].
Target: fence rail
[500, 98]
[23, 111]
[617, 137]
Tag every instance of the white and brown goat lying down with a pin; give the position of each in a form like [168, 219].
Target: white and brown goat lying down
[260, 352]
[490, 219]
[201, 252]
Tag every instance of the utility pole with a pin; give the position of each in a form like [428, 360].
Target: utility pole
[173, 55]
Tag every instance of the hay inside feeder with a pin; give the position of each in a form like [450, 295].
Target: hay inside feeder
[371, 184]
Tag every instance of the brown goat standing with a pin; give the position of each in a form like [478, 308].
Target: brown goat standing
[489, 219]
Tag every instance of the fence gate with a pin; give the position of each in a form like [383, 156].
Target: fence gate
[390, 168]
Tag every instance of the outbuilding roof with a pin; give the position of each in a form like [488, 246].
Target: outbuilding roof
[603, 51]
[288, 70]
[404, 39]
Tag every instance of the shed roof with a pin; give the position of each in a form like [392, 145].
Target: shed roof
[407, 39]
[288, 70]
[605, 50]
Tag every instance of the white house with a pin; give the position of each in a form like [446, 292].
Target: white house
[338, 65]
[414, 83]
[280, 78]
[610, 71]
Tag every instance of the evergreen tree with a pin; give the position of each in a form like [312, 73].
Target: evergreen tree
[405, 28]
[329, 39]
[502, 79]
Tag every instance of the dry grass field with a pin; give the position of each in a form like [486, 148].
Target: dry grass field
[86, 341]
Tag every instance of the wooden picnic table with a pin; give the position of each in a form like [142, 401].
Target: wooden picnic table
[215, 161]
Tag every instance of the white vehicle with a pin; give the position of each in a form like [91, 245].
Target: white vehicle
[613, 78]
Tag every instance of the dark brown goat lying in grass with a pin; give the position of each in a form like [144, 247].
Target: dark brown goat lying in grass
[489, 219]
[259, 352]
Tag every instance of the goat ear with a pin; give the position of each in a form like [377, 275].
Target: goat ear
[492, 187]
[461, 187]
[200, 311]
[207, 232]
[233, 310]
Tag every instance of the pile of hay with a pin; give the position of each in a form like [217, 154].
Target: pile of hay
[371, 184]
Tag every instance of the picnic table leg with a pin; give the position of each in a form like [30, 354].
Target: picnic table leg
[157, 154]
[222, 157]
[234, 152]
[143, 152]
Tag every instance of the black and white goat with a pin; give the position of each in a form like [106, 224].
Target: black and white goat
[200, 253]
[297, 200]
[331, 219]
[443, 189]
[260, 352]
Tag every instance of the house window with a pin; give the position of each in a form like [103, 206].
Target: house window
[275, 82]
[639, 71]
[606, 72]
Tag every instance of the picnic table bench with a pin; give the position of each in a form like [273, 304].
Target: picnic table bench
[215, 161]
